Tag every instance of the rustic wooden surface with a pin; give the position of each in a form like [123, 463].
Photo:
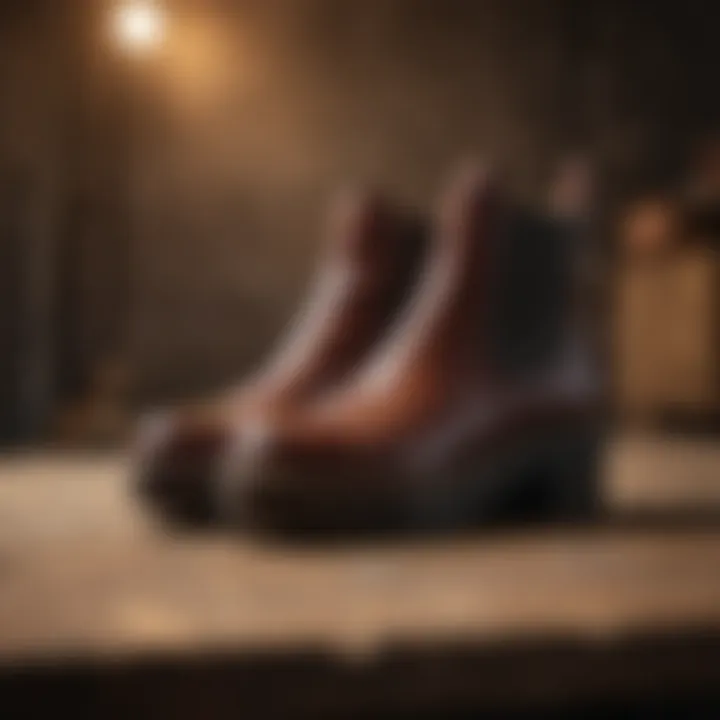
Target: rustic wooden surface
[84, 574]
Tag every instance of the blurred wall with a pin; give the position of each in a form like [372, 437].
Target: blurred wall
[257, 111]
[32, 198]
[192, 181]
[255, 115]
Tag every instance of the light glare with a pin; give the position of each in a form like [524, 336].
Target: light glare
[139, 26]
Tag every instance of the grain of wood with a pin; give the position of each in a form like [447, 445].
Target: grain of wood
[82, 570]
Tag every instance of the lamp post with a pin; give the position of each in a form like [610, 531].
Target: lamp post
[138, 30]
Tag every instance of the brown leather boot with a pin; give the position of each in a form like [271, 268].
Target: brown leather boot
[369, 267]
[482, 388]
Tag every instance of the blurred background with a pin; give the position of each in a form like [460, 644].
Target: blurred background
[164, 168]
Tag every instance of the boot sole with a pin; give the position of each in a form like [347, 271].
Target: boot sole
[553, 476]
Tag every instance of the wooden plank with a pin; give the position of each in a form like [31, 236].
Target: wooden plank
[88, 582]
[112, 597]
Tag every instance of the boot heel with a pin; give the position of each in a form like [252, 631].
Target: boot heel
[564, 483]
[549, 478]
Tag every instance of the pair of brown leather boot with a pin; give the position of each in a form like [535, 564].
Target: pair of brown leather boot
[435, 379]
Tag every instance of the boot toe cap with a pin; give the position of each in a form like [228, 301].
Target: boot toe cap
[173, 463]
[273, 483]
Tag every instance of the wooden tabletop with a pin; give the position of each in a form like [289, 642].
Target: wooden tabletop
[86, 577]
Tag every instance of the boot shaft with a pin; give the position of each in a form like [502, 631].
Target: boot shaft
[529, 292]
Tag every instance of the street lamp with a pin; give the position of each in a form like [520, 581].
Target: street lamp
[137, 28]
[138, 25]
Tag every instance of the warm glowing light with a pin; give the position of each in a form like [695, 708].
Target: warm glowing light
[139, 25]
